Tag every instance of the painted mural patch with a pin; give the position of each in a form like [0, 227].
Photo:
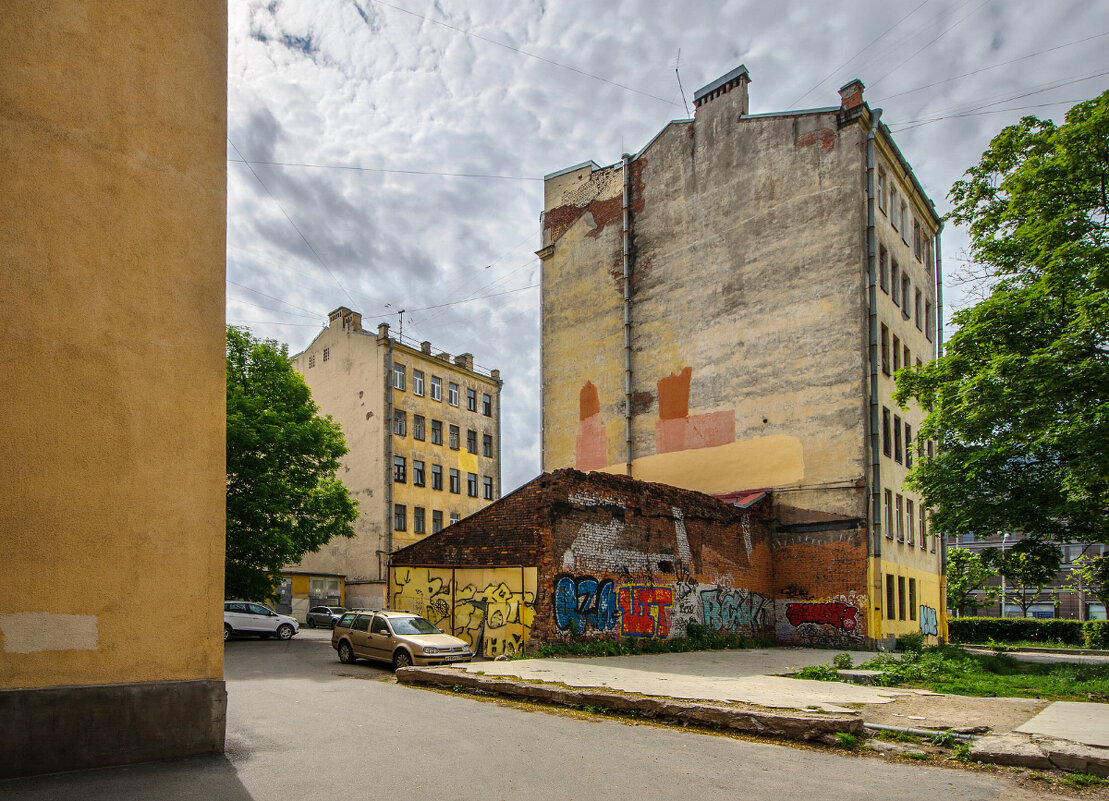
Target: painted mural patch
[582, 603]
[929, 623]
[645, 610]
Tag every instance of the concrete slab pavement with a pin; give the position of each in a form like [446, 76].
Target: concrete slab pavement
[1072, 720]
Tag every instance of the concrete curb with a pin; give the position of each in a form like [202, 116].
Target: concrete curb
[790, 725]
[1041, 753]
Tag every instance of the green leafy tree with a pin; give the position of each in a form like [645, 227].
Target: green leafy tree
[1090, 574]
[1019, 404]
[1028, 567]
[966, 574]
[283, 499]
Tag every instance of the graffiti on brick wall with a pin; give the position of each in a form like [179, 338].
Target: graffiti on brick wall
[929, 624]
[727, 609]
[831, 613]
[582, 604]
[491, 609]
[837, 621]
[601, 547]
[645, 610]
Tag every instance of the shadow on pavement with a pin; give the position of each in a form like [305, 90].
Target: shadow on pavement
[205, 778]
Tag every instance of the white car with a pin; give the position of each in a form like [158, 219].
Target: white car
[246, 617]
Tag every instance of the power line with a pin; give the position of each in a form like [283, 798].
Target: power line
[931, 42]
[384, 170]
[271, 297]
[290, 219]
[518, 50]
[921, 123]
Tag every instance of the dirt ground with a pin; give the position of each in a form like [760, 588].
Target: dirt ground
[923, 710]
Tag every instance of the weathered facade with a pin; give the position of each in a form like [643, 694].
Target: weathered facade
[423, 431]
[602, 555]
[112, 440]
[724, 311]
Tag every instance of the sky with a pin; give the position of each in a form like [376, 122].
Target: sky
[389, 156]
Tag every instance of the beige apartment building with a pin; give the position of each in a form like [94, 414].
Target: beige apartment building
[423, 430]
[724, 311]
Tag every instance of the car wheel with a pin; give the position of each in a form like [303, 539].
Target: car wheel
[284, 631]
[226, 632]
[346, 653]
[311, 623]
[402, 659]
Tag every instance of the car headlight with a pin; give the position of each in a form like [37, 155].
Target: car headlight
[430, 650]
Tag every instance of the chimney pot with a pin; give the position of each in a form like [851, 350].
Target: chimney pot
[425, 347]
[851, 94]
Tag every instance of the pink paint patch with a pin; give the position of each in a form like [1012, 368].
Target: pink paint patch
[698, 431]
[591, 450]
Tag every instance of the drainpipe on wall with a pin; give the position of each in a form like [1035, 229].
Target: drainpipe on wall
[939, 292]
[872, 299]
[626, 235]
[387, 424]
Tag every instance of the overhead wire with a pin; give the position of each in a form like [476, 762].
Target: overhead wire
[929, 43]
[357, 168]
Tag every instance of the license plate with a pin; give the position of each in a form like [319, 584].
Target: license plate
[455, 658]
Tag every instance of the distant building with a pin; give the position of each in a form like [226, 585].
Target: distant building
[423, 431]
[724, 311]
[1063, 598]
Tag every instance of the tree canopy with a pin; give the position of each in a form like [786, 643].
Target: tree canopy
[966, 573]
[1029, 566]
[1019, 403]
[283, 499]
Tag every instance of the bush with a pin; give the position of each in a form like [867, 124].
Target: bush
[842, 661]
[817, 673]
[1014, 629]
[1096, 633]
[913, 641]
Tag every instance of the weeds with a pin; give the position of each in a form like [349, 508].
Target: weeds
[847, 740]
[817, 673]
[917, 755]
[943, 738]
[700, 640]
[961, 752]
[1081, 780]
[841, 661]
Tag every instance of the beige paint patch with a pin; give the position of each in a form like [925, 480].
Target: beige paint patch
[31, 632]
[747, 464]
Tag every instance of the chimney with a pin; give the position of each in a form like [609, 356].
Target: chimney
[345, 318]
[734, 82]
[382, 331]
[425, 347]
[851, 94]
[495, 375]
[465, 360]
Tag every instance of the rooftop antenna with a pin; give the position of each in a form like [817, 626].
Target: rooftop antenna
[401, 315]
[679, 77]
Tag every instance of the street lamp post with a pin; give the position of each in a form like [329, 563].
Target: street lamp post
[1004, 539]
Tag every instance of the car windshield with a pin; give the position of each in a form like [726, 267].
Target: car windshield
[413, 625]
[338, 610]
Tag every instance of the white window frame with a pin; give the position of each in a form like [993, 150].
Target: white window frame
[418, 383]
[436, 388]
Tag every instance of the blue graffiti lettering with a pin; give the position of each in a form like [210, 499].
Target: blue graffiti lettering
[730, 610]
[928, 621]
[583, 602]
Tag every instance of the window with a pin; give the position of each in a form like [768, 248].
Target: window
[905, 289]
[487, 482]
[912, 599]
[923, 530]
[436, 388]
[400, 517]
[418, 382]
[471, 440]
[896, 354]
[312, 360]
[908, 357]
[901, 598]
[418, 519]
[436, 522]
[399, 472]
[400, 422]
[398, 376]
[452, 393]
[471, 484]
[885, 350]
[896, 438]
[882, 189]
[895, 281]
[456, 486]
[453, 438]
[436, 432]
[910, 520]
[418, 475]
[887, 441]
[891, 597]
[899, 510]
[931, 450]
[454, 518]
[928, 319]
[918, 241]
[471, 400]
[895, 220]
[904, 224]
[884, 269]
[436, 477]
[487, 445]
[889, 514]
[326, 354]
[487, 404]
[418, 427]
[916, 311]
[908, 445]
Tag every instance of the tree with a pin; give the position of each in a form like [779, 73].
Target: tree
[283, 499]
[1019, 404]
[1028, 567]
[967, 573]
[1090, 574]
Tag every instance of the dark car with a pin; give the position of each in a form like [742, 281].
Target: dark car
[324, 616]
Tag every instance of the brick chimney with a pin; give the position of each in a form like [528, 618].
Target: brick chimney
[851, 94]
[733, 84]
[345, 319]
[465, 360]
[425, 347]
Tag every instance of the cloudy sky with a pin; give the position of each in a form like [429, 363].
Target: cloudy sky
[396, 149]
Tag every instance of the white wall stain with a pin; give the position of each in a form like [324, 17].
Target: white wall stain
[32, 632]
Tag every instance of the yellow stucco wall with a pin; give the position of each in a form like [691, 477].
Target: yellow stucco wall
[112, 146]
[928, 615]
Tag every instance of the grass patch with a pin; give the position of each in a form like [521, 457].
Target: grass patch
[1082, 780]
[951, 670]
[916, 755]
[632, 646]
[847, 740]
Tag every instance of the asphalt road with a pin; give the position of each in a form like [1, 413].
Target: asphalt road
[301, 725]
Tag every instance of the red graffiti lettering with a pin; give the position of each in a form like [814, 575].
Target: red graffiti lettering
[833, 613]
[645, 611]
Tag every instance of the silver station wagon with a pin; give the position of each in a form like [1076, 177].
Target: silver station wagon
[399, 638]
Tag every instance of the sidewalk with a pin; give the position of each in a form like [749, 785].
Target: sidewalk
[749, 691]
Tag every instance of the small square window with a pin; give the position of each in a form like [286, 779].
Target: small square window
[312, 360]
[487, 405]
[436, 388]
[454, 518]
[326, 354]
[471, 400]
[452, 393]
[398, 376]
[418, 383]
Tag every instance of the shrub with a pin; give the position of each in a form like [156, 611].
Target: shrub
[841, 661]
[1014, 629]
[913, 641]
[1096, 633]
[817, 673]
[846, 740]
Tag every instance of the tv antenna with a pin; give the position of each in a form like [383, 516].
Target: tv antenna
[679, 77]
